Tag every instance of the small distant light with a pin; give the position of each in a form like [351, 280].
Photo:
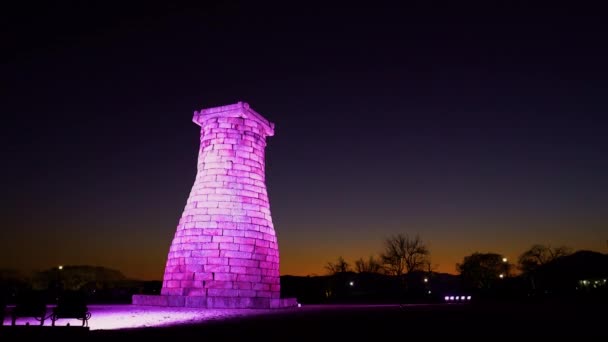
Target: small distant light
[60, 267]
[447, 298]
[429, 291]
[299, 305]
[501, 276]
[426, 280]
[504, 259]
[468, 297]
[451, 297]
[352, 283]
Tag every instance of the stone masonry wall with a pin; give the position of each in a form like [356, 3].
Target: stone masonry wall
[224, 252]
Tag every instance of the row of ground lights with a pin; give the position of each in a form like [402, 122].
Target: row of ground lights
[457, 298]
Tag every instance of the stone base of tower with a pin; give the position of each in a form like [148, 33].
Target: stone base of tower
[215, 302]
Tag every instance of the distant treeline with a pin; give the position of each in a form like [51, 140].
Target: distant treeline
[100, 284]
[541, 273]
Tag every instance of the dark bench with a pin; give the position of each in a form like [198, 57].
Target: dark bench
[29, 304]
[71, 305]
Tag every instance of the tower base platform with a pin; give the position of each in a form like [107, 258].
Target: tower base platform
[215, 302]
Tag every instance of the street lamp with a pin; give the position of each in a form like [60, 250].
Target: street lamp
[506, 266]
[58, 286]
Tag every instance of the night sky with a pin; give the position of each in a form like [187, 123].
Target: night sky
[478, 128]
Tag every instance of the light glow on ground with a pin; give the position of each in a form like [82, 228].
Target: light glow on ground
[113, 317]
[110, 317]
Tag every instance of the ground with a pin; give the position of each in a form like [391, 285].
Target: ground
[343, 322]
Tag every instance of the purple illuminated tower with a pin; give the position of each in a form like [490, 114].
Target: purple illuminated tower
[225, 252]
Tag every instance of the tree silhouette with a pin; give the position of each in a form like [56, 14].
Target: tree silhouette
[482, 270]
[76, 277]
[338, 267]
[535, 257]
[404, 254]
[372, 265]
[539, 255]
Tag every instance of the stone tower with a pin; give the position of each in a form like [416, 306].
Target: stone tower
[224, 253]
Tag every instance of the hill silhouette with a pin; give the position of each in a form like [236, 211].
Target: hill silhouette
[576, 271]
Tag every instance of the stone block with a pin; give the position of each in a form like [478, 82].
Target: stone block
[261, 287]
[270, 280]
[218, 284]
[262, 243]
[243, 285]
[229, 246]
[176, 301]
[244, 262]
[249, 278]
[222, 292]
[254, 271]
[227, 276]
[149, 300]
[236, 254]
[260, 303]
[206, 253]
[203, 276]
[196, 302]
[246, 248]
[216, 268]
[263, 294]
[195, 292]
[247, 293]
[234, 232]
[167, 291]
[253, 234]
[217, 261]
[238, 269]
[221, 238]
[244, 240]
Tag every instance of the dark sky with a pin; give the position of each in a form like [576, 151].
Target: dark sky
[479, 128]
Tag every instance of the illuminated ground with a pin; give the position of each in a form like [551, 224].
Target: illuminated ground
[113, 317]
[110, 317]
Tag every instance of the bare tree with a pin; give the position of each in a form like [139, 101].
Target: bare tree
[429, 267]
[404, 254]
[339, 266]
[372, 265]
[539, 255]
